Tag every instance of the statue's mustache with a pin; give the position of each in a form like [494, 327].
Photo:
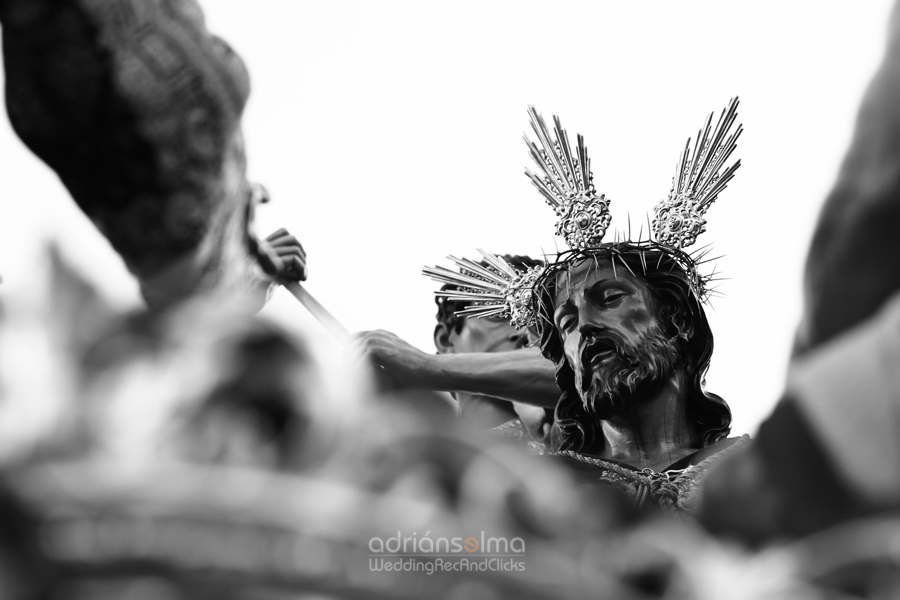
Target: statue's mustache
[613, 368]
[601, 348]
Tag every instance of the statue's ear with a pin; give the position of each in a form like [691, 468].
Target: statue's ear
[684, 326]
[442, 341]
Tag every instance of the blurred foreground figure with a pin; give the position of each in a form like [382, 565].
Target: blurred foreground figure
[622, 321]
[137, 108]
[204, 454]
[830, 450]
[207, 455]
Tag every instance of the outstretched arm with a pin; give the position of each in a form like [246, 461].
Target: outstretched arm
[519, 375]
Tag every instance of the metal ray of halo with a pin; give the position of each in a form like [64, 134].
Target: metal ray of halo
[563, 177]
[700, 177]
[492, 289]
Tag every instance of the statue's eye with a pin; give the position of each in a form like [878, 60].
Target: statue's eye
[566, 322]
[612, 298]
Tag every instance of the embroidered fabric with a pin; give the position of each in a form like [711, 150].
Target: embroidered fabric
[672, 490]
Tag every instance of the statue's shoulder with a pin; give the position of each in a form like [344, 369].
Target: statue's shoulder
[713, 452]
[673, 489]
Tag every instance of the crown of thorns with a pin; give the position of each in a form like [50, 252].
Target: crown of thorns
[565, 181]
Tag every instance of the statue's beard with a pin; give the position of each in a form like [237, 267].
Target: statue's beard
[615, 374]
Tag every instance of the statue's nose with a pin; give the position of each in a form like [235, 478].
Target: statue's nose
[589, 330]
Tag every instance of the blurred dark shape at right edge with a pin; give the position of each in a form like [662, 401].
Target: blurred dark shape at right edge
[827, 458]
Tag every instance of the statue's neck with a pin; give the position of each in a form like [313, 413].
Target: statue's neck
[653, 433]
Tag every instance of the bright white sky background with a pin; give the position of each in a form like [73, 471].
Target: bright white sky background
[389, 134]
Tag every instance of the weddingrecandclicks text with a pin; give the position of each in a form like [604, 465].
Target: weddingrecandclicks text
[432, 565]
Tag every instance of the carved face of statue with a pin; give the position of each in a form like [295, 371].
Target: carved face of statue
[612, 338]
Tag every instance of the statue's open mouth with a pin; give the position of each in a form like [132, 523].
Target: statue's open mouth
[599, 350]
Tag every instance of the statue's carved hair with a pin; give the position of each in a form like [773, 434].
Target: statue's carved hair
[682, 318]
